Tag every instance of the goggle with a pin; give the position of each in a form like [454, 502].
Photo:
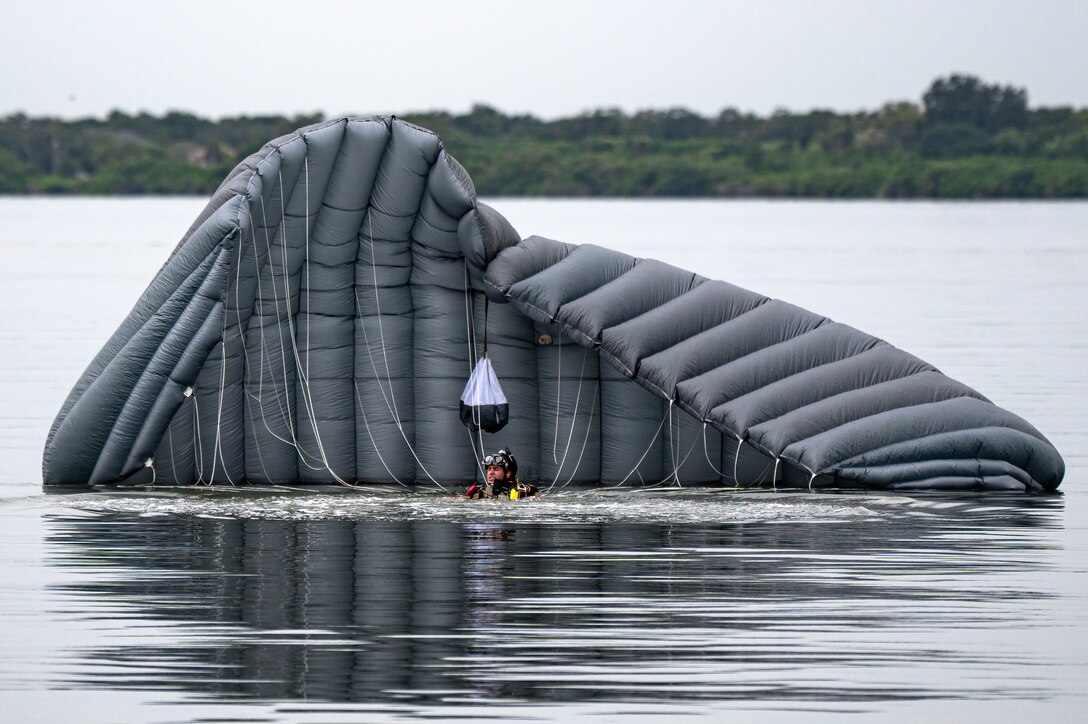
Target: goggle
[498, 460]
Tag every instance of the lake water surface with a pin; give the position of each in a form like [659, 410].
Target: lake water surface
[702, 604]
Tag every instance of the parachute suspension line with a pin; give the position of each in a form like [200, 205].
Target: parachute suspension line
[487, 306]
[736, 462]
[283, 403]
[473, 358]
[217, 450]
[706, 452]
[389, 406]
[292, 333]
[477, 457]
[684, 458]
[285, 412]
[558, 393]
[766, 468]
[287, 308]
[307, 395]
[257, 447]
[674, 446]
[483, 453]
[677, 460]
[198, 445]
[170, 442]
[589, 428]
[646, 452]
[381, 327]
[390, 400]
[681, 458]
[774, 475]
[470, 326]
[369, 434]
[290, 328]
[477, 420]
[289, 415]
[247, 373]
[812, 473]
[263, 345]
[422, 467]
[247, 382]
[573, 421]
[307, 392]
[480, 441]
[304, 374]
[263, 356]
[306, 163]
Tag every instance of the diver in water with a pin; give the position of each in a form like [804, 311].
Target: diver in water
[502, 479]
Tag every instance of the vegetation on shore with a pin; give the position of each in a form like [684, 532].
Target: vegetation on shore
[966, 139]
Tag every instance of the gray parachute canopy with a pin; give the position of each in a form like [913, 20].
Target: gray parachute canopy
[320, 319]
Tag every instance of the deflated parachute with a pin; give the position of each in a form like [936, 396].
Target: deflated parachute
[818, 402]
[319, 320]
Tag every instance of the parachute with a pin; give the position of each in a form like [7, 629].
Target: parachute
[319, 320]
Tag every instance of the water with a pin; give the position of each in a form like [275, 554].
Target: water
[327, 605]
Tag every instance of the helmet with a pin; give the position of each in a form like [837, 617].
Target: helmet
[504, 458]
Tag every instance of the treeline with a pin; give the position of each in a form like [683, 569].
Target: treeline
[966, 139]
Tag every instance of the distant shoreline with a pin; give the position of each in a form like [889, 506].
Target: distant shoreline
[966, 140]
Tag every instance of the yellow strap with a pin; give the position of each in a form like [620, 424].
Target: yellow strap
[513, 493]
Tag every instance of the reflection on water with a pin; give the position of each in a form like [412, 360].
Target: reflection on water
[169, 608]
[851, 599]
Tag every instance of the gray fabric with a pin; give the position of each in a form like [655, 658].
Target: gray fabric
[797, 399]
[706, 306]
[532, 255]
[648, 285]
[584, 270]
[319, 320]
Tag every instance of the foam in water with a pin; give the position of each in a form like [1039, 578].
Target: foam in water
[668, 505]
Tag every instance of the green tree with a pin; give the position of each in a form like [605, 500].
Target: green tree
[964, 99]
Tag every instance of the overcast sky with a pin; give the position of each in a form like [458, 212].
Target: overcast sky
[552, 58]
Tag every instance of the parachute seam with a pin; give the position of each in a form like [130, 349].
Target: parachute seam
[787, 340]
[882, 411]
[859, 458]
[646, 354]
[634, 293]
[980, 462]
[213, 256]
[908, 373]
[747, 356]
